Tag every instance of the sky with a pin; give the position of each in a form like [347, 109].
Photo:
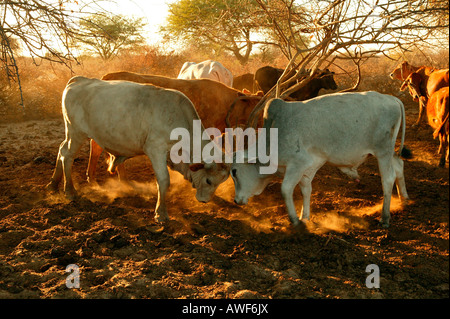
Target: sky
[154, 12]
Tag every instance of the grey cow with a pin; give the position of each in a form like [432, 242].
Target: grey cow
[129, 119]
[341, 129]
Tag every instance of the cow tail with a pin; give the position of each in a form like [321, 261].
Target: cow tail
[439, 129]
[270, 113]
[403, 151]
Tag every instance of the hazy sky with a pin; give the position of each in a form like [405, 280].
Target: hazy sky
[154, 12]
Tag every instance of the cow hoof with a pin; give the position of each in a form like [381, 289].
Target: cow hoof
[92, 182]
[300, 227]
[71, 196]
[52, 187]
[384, 224]
[161, 218]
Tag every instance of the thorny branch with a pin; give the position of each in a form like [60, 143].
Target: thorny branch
[348, 29]
[43, 29]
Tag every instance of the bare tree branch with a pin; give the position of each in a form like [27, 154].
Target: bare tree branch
[349, 29]
[44, 29]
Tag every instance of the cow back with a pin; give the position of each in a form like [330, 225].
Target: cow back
[338, 124]
[121, 115]
[437, 80]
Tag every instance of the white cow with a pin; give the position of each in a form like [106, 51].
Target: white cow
[129, 119]
[208, 69]
[340, 129]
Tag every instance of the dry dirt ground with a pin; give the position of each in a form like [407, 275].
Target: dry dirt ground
[218, 249]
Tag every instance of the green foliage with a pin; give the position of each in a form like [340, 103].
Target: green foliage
[235, 26]
[216, 24]
[106, 35]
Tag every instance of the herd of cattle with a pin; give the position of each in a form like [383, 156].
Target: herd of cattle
[128, 114]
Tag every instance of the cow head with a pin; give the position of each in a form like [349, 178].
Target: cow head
[247, 181]
[327, 78]
[413, 83]
[401, 72]
[241, 108]
[206, 178]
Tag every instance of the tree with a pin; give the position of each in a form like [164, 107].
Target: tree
[235, 26]
[282, 25]
[227, 24]
[44, 29]
[105, 35]
[349, 29]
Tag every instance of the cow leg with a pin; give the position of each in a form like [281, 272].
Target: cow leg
[159, 163]
[293, 176]
[400, 179]
[57, 173]
[443, 149]
[121, 172]
[94, 155]
[287, 190]
[69, 149]
[388, 177]
[448, 144]
[422, 106]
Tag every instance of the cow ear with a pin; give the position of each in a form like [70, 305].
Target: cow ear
[405, 66]
[196, 167]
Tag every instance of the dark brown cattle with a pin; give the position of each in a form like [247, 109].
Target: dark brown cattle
[244, 82]
[267, 77]
[324, 80]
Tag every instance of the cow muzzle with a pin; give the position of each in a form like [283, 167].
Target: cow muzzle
[240, 201]
[202, 198]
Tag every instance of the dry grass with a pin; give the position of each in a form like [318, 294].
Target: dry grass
[43, 82]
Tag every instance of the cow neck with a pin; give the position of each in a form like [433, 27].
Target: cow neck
[188, 174]
[182, 168]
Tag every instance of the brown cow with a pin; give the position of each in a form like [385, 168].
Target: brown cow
[437, 113]
[244, 81]
[267, 77]
[211, 99]
[402, 71]
[422, 85]
[428, 80]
